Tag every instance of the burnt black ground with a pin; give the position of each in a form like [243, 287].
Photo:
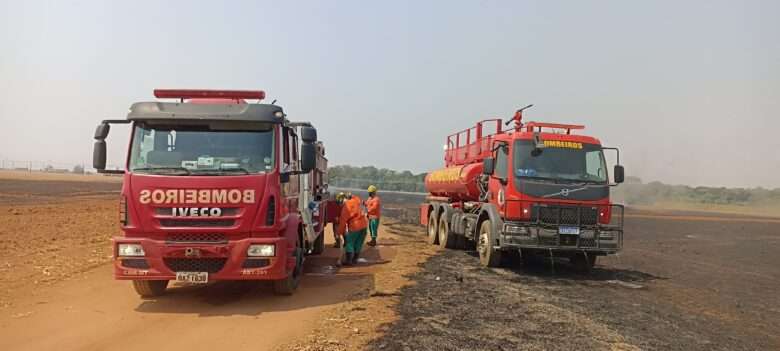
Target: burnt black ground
[693, 284]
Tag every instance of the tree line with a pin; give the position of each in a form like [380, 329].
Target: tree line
[632, 192]
[385, 179]
[635, 192]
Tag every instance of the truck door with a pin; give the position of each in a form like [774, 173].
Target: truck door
[499, 180]
[291, 188]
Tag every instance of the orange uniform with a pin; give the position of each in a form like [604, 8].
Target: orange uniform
[351, 217]
[374, 207]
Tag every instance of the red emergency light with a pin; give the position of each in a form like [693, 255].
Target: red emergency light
[208, 94]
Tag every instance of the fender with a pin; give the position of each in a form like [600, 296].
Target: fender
[490, 212]
[292, 233]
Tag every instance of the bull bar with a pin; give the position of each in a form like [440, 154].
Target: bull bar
[543, 229]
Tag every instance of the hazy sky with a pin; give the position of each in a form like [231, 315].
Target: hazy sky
[689, 90]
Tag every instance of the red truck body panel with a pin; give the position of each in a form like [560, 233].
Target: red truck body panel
[151, 224]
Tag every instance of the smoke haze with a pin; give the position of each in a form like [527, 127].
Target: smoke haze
[688, 90]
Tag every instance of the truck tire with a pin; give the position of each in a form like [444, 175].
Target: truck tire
[488, 256]
[150, 288]
[319, 244]
[288, 285]
[446, 238]
[583, 263]
[433, 230]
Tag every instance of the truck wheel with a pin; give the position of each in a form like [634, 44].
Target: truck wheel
[583, 263]
[288, 285]
[488, 256]
[446, 239]
[150, 288]
[319, 244]
[433, 231]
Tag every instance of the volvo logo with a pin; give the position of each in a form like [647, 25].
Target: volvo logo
[564, 192]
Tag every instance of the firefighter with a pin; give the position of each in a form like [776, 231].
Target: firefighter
[374, 207]
[336, 237]
[352, 225]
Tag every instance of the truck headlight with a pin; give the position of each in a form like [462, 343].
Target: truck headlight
[261, 250]
[516, 229]
[130, 250]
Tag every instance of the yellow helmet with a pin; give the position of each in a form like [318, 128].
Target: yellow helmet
[372, 188]
[340, 196]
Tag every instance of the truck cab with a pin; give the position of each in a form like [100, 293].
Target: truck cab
[216, 188]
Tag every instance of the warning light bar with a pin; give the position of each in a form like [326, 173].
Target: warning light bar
[208, 94]
[568, 127]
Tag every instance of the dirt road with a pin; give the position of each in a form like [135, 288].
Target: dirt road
[57, 291]
[91, 311]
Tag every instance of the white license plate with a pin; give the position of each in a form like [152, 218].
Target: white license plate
[192, 277]
[569, 230]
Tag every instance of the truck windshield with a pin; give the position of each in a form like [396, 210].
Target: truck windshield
[560, 160]
[202, 149]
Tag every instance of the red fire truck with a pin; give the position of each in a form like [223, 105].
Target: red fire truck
[535, 189]
[216, 188]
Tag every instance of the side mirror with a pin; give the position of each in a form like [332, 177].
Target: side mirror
[308, 134]
[619, 174]
[488, 166]
[101, 132]
[308, 157]
[99, 154]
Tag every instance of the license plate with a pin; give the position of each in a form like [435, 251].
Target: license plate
[569, 230]
[192, 277]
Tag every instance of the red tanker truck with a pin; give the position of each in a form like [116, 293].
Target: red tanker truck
[216, 188]
[535, 189]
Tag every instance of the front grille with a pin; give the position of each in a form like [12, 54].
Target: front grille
[256, 263]
[566, 215]
[587, 242]
[568, 240]
[199, 223]
[210, 265]
[196, 238]
[137, 263]
[548, 241]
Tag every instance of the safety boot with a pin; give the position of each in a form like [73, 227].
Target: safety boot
[348, 259]
[355, 257]
[372, 242]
